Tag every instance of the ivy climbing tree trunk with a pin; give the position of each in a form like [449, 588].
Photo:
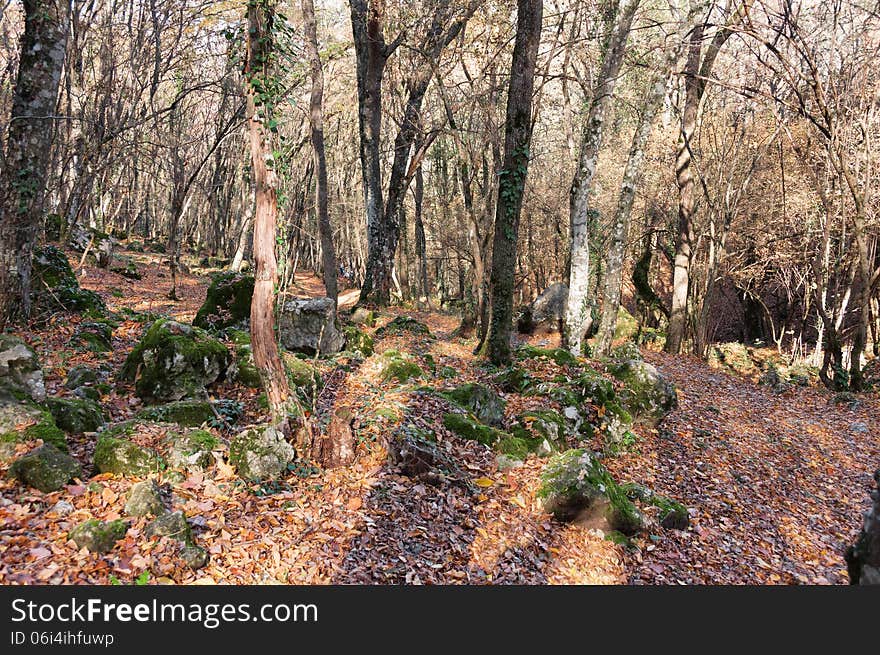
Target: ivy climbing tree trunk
[512, 178]
[258, 68]
[316, 114]
[28, 145]
[578, 312]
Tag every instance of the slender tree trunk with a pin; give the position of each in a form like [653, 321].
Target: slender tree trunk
[316, 113]
[265, 348]
[372, 54]
[517, 141]
[578, 314]
[28, 146]
[620, 226]
[421, 243]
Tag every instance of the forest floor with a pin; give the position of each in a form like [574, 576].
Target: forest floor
[776, 483]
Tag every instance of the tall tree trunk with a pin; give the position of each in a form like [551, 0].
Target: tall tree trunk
[372, 54]
[29, 143]
[316, 113]
[578, 315]
[697, 70]
[265, 348]
[421, 243]
[620, 226]
[512, 179]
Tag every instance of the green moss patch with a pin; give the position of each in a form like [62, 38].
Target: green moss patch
[123, 457]
[401, 325]
[558, 355]
[227, 303]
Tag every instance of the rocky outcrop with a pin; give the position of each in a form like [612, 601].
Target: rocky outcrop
[260, 453]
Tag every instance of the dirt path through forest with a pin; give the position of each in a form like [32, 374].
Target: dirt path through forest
[779, 481]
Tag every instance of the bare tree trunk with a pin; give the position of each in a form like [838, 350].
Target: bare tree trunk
[620, 226]
[372, 54]
[29, 143]
[517, 141]
[316, 113]
[421, 244]
[265, 348]
[578, 315]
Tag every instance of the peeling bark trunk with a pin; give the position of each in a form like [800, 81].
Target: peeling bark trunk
[265, 347]
[517, 140]
[28, 146]
[578, 316]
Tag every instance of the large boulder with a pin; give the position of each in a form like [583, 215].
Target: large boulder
[481, 401]
[174, 361]
[45, 468]
[575, 485]
[309, 326]
[863, 557]
[98, 243]
[260, 453]
[27, 421]
[547, 311]
[21, 377]
[186, 413]
[646, 392]
[76, 415]
[227, 303]
[55, 287]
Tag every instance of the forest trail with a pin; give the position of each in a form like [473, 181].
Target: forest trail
[776, 483]
[779, 481]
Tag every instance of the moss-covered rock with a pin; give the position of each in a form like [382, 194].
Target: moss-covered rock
[94, 336]
[123, 457]
[468, 427]
[27, 421]
[127, 269]
[81, 376]
[646, 393]
[363, 316]
[514, 447]
[627, 327]
[195, 557]
[514, 380]
[76, 415]
[302, 373]
[243, 368]
[575, 481]
[97, 536]
[260, 453]
[175, 361]
[403, 324]
[56, 288]
[21, 377]
[45, 468]
[543, 425]
[671, 514]
[170, 524]
[394, 365]
[144, 499]
[186, 413]
[357, 340]
[558, 355]
[626, 351]
[191, 450]
[481, 401]
[227, 303]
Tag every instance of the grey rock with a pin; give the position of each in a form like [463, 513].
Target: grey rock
[20, 372]
[62, 508]
[144, 499]
[309, 326]
[98, 536]
[171, 524]
[195, 557]
[260, 453]
[45, 468]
